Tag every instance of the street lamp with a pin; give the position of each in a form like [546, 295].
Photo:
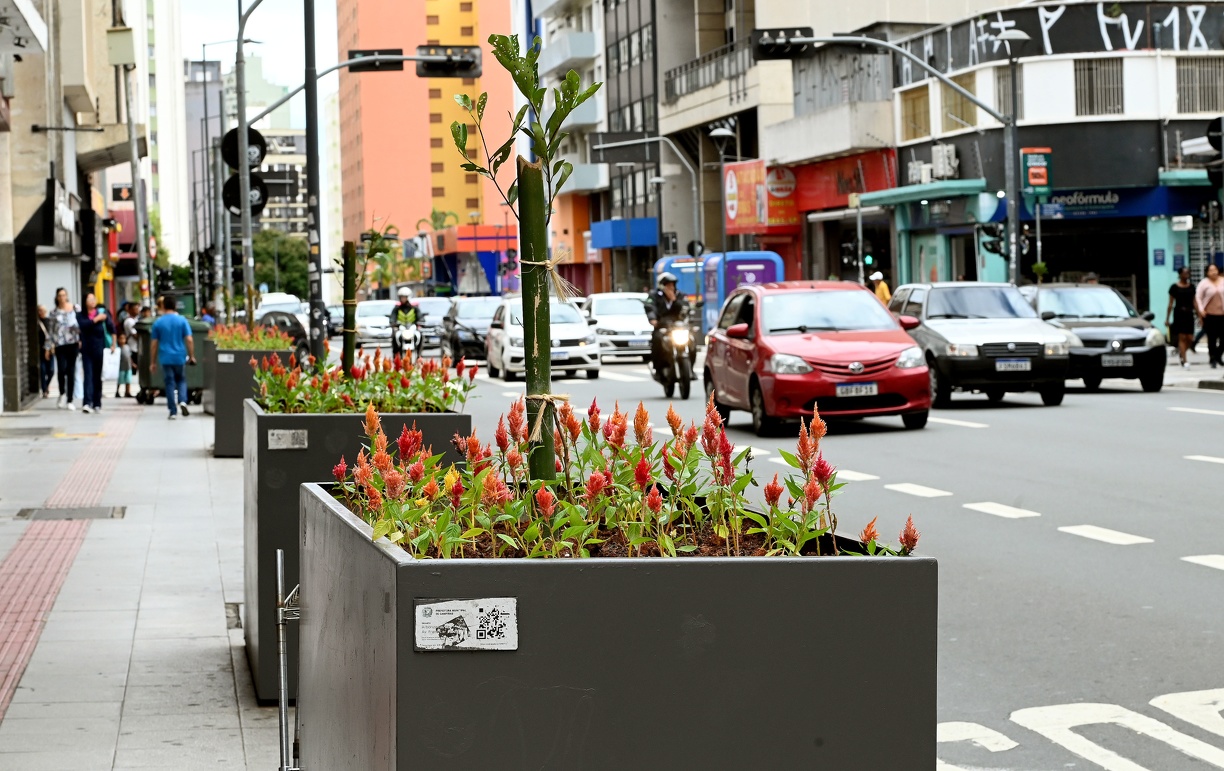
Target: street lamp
[722, 136]
[1011, 182]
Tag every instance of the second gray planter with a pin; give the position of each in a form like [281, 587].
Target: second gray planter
[234, 384]
[283, 452]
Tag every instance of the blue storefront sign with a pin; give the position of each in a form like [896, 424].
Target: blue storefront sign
[1126, 202]
[1158, 256]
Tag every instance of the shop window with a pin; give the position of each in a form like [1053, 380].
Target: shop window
[958, 111]
[1200, 84]
[1098, 86]
[915, 113]
[1003, 95]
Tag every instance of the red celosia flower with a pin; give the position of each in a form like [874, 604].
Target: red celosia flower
[358, 373]
[430, 490]
[293, 361]
[709, 430]
[416, 472]
[339, 470]
[654, 501]
[462, 365]
[593, 417]
[372, 423]
[725, 450]
[518, 421]
[348, 401]
[805, 449]
[811, 493]
[557, 464]
[558, 443]
[500, 436]
[667, 466]
[514, 458]
[594, 486]
[870, 533]
[823, 470]
[456, 493]
[773, 492]
[472, 373]
[391, 387]
[395, 484]
[673, 420]
[374, 497]
[404, 381]
[409, 442]
[641, 426]
[254, 363]
[690, 434]
[909, 535]
[292, 382]
[545, 500]
[641, 473]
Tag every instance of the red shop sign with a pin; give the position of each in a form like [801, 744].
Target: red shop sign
[828, 184]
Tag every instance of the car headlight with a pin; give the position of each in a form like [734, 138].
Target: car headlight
[961, 349]
[680, 336]
[1057, 349]
[465, 335]
[910, 358]
[1155, 338]
[602, 331]
[1073, 340]
[785, 364]
[516, 342]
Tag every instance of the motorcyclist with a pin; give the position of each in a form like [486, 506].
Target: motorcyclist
[666, 305]
[404, 313]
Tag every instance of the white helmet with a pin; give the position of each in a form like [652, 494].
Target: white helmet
[667, 278]
[404, 292]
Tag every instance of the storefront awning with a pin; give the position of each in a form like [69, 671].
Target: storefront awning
[948, 188]
[843, 214]
[1184, 177]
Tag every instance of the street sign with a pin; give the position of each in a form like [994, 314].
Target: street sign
[376, 66]
[695, 249]
[122, 192]
[461, 62]
[257, 148]
[1050, 210]
[1182, 222]
[231, 195]
[1035, 163]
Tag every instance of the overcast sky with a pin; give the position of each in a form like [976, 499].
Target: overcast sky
[277, 24]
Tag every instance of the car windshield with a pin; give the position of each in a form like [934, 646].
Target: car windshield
[978, 302]
[435, 307]
[786, 312]
[294, 307]
[480, 308]
[1084, 303]
[559, 313]
[619, 306]
[375, 308]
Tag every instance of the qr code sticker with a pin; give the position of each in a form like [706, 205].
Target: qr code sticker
[491, 624]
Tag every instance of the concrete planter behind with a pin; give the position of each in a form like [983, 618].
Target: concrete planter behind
[208, 360]
[271, 506]
[825, 663]
[235, 383]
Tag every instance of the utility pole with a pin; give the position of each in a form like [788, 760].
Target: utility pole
[314, 270]
[142, 245]
[1010, 181]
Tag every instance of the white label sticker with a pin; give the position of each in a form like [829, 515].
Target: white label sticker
[225, 358]
[487, 624]
[287, 439]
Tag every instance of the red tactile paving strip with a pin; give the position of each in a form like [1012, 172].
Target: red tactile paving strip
[33, 572]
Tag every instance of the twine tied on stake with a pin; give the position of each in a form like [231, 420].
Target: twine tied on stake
[547, 399]
[563, 288]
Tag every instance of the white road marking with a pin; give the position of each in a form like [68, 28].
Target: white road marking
[781, 462]
[1104, 534]
[1196, 411]
[1205, 458]
[1055, 723]
[760, 452]
[512, 394]
[961, 423]
[912, 489]
[1198, 708]
[1209, 560]
[999, 510]
[986, 738]
[618, 377]
[846, 475]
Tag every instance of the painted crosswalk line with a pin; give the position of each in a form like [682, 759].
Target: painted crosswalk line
[1000, 510]
[1209, 560]
[1105, 535]
[1198, 708]
[512, 394]
[1205, 458]
[919, 490]
[954, 422]
[618, 377]
[986, 738]
[1196, 411]
[843, 475]
[760, 452]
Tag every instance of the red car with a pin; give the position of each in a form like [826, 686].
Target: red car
[780, 348]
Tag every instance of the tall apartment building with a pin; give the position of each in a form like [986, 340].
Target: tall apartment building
[261, 92]
[284, 171]
[398, 161]
[167, 168]
[204, 106]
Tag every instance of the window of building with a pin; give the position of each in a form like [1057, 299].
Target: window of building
[466, 31]
[648, 41]
[471, 179]
[1098, 86]
[435, 93]
[1200, 84]
[435, 142]
[469, 81]
[435, 117]
[613, 59]
[915, 113]
[465, 7]
[437, 168]
[637, 116]
[430, 19]
[1003, 95]
[635, 48]
[959, 112]
[472, 203]
[622, 53]
[438, 192]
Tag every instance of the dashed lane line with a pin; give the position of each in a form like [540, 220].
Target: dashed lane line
[512, 394]
[1000, 510]
[618, 377]
[1205, 458]
[760, 452]
[1104, 535]
[845, 475]
[1207, 560]
[1196, 411]
[961, 423]
[919, 490]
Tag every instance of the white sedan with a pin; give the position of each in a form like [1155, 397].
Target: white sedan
[620, 323]
[573, 346]
[374, 322]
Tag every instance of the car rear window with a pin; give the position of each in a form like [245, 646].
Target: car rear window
[477, 309]
[978, 302]
[786, 312]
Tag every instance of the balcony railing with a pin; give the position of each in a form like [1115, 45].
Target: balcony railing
[729, 61]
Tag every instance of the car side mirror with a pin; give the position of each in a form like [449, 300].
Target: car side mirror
[909, 322]
[1149, 316]
[592, 322]
[738, 331]
[1048, 315]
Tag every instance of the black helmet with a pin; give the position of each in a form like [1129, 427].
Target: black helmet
[667, 278]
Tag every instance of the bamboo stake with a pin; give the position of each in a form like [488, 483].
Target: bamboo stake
[537, 333]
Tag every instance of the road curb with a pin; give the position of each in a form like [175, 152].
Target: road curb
[1215, 385]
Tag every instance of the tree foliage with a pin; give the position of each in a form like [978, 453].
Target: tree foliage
[272, 247]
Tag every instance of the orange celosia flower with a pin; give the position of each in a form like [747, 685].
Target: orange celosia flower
[430, 490]
[373, 425]
[870, 533]
[518, 421]
[593, 417]
[546, 501]
[641, 425]
[773, 492]
[395, 484]
[909, 535]
[673, 420]
[382, 461]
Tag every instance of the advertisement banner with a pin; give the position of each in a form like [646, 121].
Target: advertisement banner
[759, 200]
[829, 184]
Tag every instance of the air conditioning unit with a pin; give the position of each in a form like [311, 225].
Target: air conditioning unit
[944, 164]
[914, 172]
[926, 174]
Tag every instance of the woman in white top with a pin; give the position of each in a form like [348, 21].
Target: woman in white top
[65, 338]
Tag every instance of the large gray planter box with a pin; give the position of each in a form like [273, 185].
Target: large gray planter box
[235, 383]
[271, 507]
[821, 663]
[208, 360]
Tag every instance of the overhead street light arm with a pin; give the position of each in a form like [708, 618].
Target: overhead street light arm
[697, 234]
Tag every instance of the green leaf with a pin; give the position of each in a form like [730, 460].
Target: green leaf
[512, 194]
[687, 549]
[472, 532]
[567, 168]
[381, 528]
[464, 101]
[481, 101]
[532, 533]
[741, 484]
[789, 458]
[460, 135]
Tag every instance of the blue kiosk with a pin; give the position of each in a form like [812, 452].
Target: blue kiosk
[722, 274]
[687, 271]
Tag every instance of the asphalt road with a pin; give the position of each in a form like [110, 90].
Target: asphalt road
[1081, 562]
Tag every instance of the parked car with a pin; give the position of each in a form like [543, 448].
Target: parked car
[779, 349]
[374, 322]
[283, 301]
[621, 325]
[979, 336]
[574, 346]
[335, 320]
[465, 326]
[292, 326]
[432, 311]
[1117, 340]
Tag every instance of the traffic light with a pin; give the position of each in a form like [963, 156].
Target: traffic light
[459, 62]
[775, 43]
[993, 238]
[231, 193]
[511, 263]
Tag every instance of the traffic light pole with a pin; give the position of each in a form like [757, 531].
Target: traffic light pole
[1010, 183]
[314, 277]
[244, 168]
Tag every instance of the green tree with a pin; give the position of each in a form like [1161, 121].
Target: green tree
[438, 219]
[277, 253]
[155, 228]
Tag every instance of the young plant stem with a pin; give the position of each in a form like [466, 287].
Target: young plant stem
[532, 199]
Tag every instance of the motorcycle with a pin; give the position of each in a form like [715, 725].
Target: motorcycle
[678, 347]
[409, 338]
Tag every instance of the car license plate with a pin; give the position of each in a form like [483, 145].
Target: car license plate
[1013, 365]
[639, 342]
[1117, 360]
[559, 355]
[857, 389]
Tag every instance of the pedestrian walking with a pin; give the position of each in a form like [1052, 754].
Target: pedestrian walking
[1179, 318]
[46, 352]
[1209, 302]
[880, 287]
[172, 348]
[66, 341]
[97, 334]
[125, 367]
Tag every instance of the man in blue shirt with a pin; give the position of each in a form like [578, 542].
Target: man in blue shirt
[172, 348]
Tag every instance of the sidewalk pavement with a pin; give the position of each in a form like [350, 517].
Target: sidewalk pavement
[1199, 375]
[116, 649]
